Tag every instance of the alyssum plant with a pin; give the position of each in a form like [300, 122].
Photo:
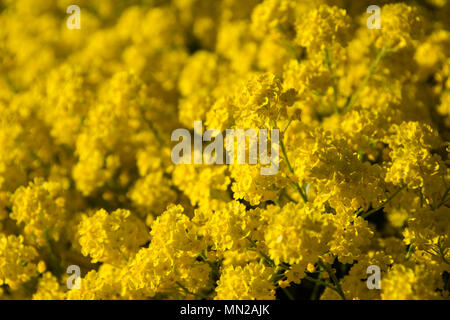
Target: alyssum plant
[349, 118]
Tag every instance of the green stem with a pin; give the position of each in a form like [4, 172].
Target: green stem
[334, 278]
[372, 68]
[368, 213]
[288, 293]
[265, 256]
[54, 258]
[300, 191]
[444, 197]
[284, 194]
[295, 185]
[155, 133]
[318, 281]
[277, 202]
[442, 252]
[212, 265]
[326, 284]
[316, 286]
[411, 250]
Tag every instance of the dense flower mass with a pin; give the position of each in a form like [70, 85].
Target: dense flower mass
[87, 180]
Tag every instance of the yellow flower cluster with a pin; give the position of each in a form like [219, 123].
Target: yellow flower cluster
[16, 261]
[87, 180]
[111, 238]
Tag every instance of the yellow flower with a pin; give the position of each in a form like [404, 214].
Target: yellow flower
[41, 208]
[323, 27]
[16, 261]
[111, 238]
[251, 282]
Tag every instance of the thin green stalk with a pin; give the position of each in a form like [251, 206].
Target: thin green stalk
[442, 252]
[368, 213]
[212, 265]
[334, 278]
[288, 293]
[155, 133]
[444, 198]
[320, 282]
[300, 191]
[323, 283]
[372, 68]
[277, 202]
[294, 184]
[284, 194]
[54, 258]
[316, 287]
[265, 256]
[287, 126]
[411, 250]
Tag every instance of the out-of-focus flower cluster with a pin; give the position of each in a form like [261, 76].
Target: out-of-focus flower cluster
[86, 176]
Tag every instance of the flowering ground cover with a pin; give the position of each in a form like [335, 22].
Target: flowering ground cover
[92, 205]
